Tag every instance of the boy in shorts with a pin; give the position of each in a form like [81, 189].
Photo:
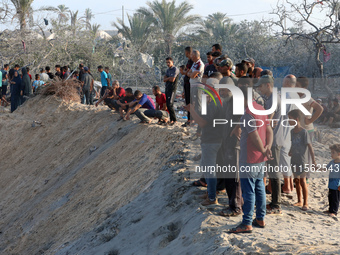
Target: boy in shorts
[299, 150]
[334, 181]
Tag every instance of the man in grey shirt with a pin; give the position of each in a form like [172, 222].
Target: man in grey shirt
[87, 82]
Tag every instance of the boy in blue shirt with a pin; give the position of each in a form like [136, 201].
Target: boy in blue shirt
[104, 80]
[334, 181]
[109, 76]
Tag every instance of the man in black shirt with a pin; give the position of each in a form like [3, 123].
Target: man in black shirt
[58, 72]
[170, 79]
[49, 73]
[210, 69]
[186, 85]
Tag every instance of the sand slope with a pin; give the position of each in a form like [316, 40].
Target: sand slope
[59, 179]
[83, 183]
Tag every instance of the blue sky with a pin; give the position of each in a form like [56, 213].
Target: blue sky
[107, 10]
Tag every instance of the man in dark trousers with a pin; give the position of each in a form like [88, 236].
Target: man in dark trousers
[87, 83]
[170, 79]
[186, 81]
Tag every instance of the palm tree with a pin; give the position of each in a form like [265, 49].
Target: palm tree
[169, 18]
[23, 10]
[218, 26]
[88, 16]
[62, 11]
[74, 21]
[94, 29]
[138, 31]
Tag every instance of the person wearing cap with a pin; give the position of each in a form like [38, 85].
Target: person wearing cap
[265, 86]
[43, 76]
[228, 155]
[87, 84]
[267, 72]
[250, 62]
[224, 67]
[334, 113]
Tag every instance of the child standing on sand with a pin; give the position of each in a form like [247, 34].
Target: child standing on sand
[334, 180]
[301, 146]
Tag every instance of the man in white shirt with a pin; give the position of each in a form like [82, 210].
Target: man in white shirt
[196, 75]
[43, 76]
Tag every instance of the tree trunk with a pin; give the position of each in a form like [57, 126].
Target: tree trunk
[22, 21]
[168, 42]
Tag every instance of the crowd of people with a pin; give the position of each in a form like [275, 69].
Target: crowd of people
[258, 152]
[260, 148]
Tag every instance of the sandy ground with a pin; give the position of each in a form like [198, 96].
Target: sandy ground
[83, 183]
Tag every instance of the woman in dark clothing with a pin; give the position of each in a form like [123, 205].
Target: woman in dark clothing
[26, 83]
[17, 90]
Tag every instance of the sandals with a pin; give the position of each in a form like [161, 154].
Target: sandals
[255, 224]
[144, 122]
[239, 230]
[186, 124]
[304, 208]
[199, 183]
[229, 213]
[120, 118]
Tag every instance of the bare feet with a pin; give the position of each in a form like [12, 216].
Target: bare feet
[298, 204]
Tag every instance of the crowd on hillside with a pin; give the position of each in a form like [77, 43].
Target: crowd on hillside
[258, 148]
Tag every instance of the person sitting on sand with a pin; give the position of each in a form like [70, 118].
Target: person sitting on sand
[300, 148]
[138, 106]
[161, 112]
[256, 142]
[333, 114]
[334, 181]
[123, 104]
[111, 95]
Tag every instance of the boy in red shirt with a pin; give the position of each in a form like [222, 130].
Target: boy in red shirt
[161, 112]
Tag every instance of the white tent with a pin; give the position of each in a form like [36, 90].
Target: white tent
[103, 35]
[51, 36]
